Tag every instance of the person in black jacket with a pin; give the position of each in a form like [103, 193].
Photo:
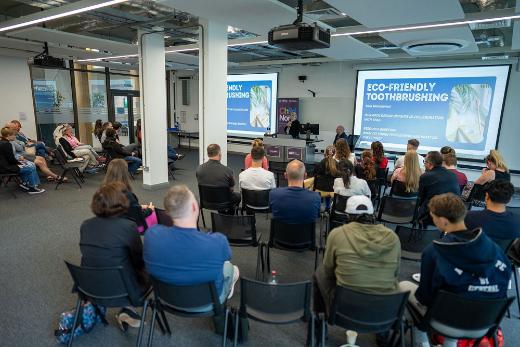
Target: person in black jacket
[117, 150]
[436, 180]
[293, 127]
[108, 240]
[340, 134]
[10, 165]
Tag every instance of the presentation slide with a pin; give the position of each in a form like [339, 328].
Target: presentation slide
[458, 107]
[251, 103]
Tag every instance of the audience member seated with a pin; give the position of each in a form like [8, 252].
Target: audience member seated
[117, 171]
[78, 147]
[360, 255]
[182, 255]
[340, 134]
[495, 169]
[413, 145]
[40, 148]
[117, 150]
[108, 240]
[89, 164]
[326, 171]
[343, 152]
[256, 177]
[139, 132]
[21, 154]
[10, 165]
[407, 176]
[378, 155]
[213, 174]
[98, 129]
[294, 204]
[103, 136]
[435, 181]
[248, 159]
[348, 184]
[498, 223]
[366, 168]
[465, 262]
[449, 161]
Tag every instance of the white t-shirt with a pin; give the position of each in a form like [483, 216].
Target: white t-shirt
[357, 186]
[256, 178]
[400, 162]
[351, 158]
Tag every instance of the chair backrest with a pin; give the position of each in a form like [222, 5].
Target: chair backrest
[214, 198]
[163, 217]
[324, 183]
[179, 298]
[366, 313]
[414, 241]
[504, 244]
[105, 286]
[514, 209]
[461, 318]
[398, 209]
[399, 188]
[339, 203]
[276, 304]
[239, 230]
[292, 236]
[60, 155]
[256, 200]
[382, 174]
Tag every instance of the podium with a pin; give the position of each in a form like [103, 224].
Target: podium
[284, 149]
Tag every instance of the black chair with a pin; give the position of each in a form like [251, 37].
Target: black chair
[414, 241]
[398, 188]
[171, 169]
[291, 237]
[398, 210]
[337, 211]
[368, 313]
[68, 165]
[178, 300]
[104, 286]
[214, 198]
[515, 265]
[240, 231]
[163, 218]
[457, 317]
[275, 304]
[255, 201]
[9, 177]
[513, 209]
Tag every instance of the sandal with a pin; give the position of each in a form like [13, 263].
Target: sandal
[62, 179]
[128, 318]
[50, 179]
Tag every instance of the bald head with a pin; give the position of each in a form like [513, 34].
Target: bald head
[295, 171]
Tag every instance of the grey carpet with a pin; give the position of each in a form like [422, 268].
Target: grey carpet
[39, 232]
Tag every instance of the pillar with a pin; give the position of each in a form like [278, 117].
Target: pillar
[212, 87]
[152, 77]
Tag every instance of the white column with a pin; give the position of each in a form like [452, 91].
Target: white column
[152, 77]
[212, 88]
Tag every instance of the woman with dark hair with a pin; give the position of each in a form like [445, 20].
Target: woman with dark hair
[378, 155]
[348, 184]
[108, 240]
[98, 129]
[366, 170]
[117, 150]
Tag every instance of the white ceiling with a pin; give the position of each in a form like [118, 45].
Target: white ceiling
[346, 47]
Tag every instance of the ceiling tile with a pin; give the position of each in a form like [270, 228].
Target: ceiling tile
[346, 48]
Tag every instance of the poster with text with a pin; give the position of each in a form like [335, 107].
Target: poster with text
[286, 108]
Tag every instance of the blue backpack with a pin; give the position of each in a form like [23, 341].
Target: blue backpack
[89, 316]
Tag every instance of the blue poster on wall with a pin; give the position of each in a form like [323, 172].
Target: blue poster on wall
[44, 94]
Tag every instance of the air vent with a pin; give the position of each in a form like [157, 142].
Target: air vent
[433, 47]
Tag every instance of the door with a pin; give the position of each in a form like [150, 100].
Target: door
[125, 109]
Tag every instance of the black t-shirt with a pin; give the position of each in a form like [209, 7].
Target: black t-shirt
[214, 174]
[497, 226]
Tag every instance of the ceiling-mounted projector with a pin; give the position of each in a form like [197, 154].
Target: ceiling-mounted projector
[299, 36]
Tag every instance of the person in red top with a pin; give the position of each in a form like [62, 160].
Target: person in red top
[378, 155]
[449, 161]
[248, 160]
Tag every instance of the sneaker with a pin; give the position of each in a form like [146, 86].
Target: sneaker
[24, 186]
[236, 276]
[180, 156]
[34, 190]
[140, 168]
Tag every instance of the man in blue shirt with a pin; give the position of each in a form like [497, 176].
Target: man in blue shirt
[294, 204]
[183, 255]
[499, 224]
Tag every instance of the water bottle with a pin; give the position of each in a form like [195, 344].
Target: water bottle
[272, 278]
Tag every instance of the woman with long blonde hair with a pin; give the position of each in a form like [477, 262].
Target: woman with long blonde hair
[408, 175]
[496, 169]
[248, 160]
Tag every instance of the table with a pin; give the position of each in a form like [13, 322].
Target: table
[182, 133]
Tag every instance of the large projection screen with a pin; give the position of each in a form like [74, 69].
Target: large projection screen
[460, 107]
[251, 103]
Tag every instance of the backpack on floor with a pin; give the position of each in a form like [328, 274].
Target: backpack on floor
[495, 341]
[89, 316]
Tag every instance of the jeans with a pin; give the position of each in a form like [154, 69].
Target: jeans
[41, 150]
[29, 174]
[172, 154]
[133, 164]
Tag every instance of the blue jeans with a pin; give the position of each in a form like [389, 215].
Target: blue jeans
[41, 150]
[29, 174]
[172, 154]
[133, 164]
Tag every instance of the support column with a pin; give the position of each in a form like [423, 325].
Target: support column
[212, 87]
[152, 77]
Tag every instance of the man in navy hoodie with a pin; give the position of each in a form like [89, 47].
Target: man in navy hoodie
[464, 262]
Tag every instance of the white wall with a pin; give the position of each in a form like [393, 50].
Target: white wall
[16, 101]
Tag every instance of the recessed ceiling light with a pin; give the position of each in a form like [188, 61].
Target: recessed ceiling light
[61, 15]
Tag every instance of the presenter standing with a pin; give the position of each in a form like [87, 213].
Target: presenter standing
[340, 134]
[293, 127]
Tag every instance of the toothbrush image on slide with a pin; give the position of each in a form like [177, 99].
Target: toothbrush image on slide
[260, 107]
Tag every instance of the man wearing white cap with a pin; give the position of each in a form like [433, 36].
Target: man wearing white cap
[360, 255]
